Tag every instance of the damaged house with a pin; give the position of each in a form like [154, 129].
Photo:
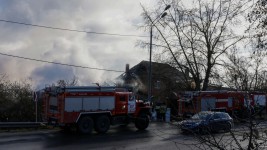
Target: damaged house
[166, 81]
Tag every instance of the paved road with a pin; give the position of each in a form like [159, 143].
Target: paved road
[159, 136]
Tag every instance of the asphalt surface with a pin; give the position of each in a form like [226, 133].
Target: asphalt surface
[158, 136]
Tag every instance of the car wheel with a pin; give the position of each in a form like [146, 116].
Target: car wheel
[205, 130]
[198, 131]
[183, 131]
[228, 127]
[213, 129]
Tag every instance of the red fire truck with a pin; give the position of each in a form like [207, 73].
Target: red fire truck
[90, 108]
[190, 102]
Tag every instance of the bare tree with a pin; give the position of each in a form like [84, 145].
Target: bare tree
[246, 72]
[196, 36]
[71, 82]
[17, 99]
[258, 23]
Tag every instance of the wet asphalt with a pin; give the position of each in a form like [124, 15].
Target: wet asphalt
[158, 136]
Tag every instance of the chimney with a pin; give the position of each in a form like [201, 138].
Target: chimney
[127, 75]
[127, 68]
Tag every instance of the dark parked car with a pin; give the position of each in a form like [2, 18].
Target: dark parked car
[207, 121]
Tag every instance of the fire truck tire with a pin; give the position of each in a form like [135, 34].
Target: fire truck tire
[102, 124]
[142, 122]
[85, 125]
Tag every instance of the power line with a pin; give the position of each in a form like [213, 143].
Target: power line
[71, 30]
[57, 63]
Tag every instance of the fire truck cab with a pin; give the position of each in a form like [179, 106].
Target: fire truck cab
[93, 107]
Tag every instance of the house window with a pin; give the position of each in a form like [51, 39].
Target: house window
[157, 85]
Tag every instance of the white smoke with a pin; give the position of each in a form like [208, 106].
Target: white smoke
[90, 50]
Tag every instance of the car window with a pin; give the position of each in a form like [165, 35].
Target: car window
[216, 116]
[201, 115]
[221, 115]
[225, 115]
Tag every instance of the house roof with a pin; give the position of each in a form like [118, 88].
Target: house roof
[157, 69]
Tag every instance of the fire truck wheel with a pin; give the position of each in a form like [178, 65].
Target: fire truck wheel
[142, 122]
[85, 125]
[102, 124]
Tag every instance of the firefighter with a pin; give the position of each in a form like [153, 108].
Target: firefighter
[154, 114]
[162, 112]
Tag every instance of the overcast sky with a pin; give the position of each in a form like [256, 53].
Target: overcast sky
[81, 49]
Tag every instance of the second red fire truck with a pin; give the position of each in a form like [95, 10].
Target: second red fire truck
[97, 108]
[233, 102]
